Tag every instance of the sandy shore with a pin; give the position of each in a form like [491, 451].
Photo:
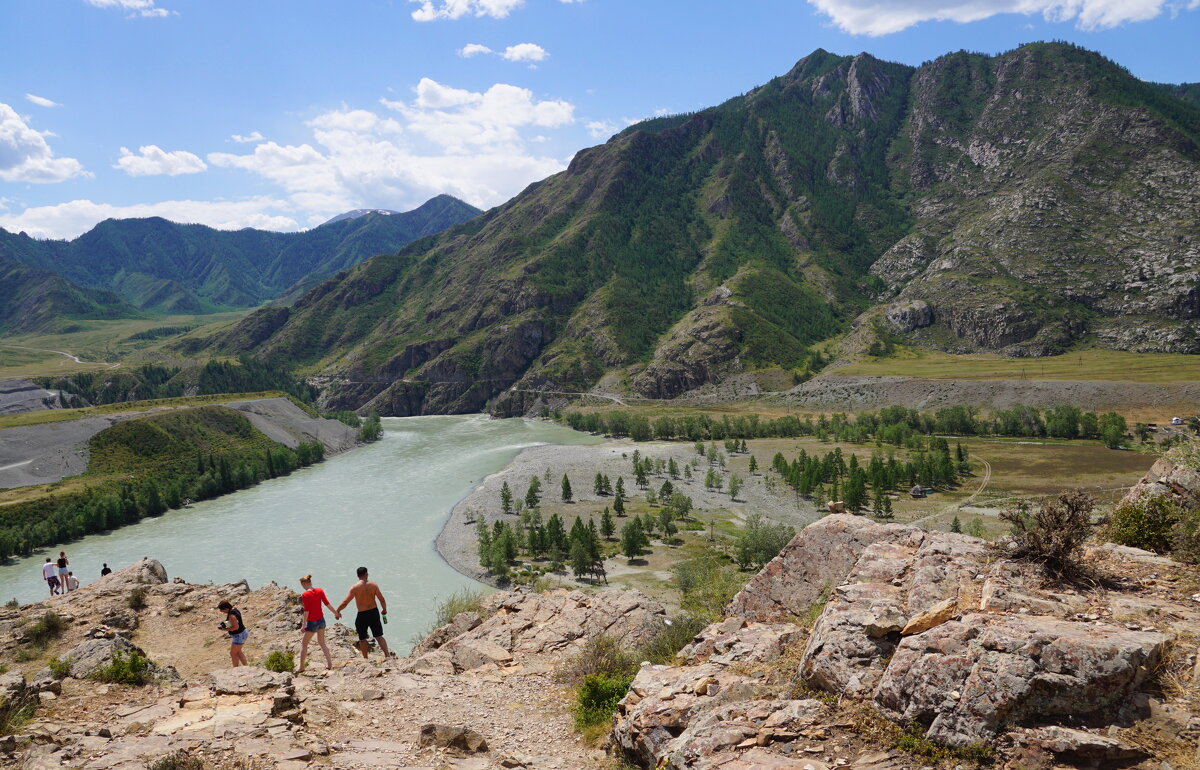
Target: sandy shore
[456, 542]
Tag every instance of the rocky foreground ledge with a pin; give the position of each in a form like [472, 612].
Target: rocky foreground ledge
[861, 646]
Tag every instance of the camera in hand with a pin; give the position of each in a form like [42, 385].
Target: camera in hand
[221, 625]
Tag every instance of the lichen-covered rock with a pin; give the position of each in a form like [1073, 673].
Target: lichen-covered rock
[968, 678]
[94, 654]
[817, 559]
[147, 572]
[736, 641]
[459, 739]
[460, 624]
[1177, 483]
[893, 582]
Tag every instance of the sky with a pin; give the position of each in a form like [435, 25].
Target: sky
[279, 114]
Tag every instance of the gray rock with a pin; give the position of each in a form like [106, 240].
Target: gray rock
[1070, 744]
[94, 654]
[12, 687]
[246, 679]
[969, 678]
[909, 316]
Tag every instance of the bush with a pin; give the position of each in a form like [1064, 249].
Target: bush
[1147, 523]
[60, 669]
[46, 629]
[1054, 535]
[137, 599]
[280, 662]
[601, 656]
[12, 604]
[18, 711]
[179, 760]
[1185, 537]
[677, 633]
[597, 699]
[463, 600]
[706, 585]
[131, 669]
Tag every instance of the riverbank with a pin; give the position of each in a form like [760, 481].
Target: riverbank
[456, 543]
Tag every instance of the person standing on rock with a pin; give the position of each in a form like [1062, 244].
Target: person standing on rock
[237, 631]
[105, 570]
[314, 621]
[62, 570]
[364, 593]
[50, 575]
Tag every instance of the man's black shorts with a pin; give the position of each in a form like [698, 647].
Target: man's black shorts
[368, 619]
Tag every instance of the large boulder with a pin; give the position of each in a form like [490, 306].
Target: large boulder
[968, 678]
[894, 583]
[147, 572]
[94, 654]
[817, 559]
[1177, 483]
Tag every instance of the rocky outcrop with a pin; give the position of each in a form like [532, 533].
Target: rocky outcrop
[929, 630]
[909, 316]
[808, 568]
[968, 679]
[520, 624]
[1177, 483]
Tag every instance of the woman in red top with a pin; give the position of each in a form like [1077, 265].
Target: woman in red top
[314, 620]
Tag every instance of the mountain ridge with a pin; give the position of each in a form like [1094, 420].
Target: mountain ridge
[166, 266]
[1020, 203]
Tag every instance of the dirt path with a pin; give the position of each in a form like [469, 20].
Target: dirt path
[71, 356]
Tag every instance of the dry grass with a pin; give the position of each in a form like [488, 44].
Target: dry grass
[1106, 365]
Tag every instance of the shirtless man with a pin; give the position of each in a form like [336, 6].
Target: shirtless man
[364, 593]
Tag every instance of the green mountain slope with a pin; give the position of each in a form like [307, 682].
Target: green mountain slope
[1018, 202]
[40, 301]
[164, 266]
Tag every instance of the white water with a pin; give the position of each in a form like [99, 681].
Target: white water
[379, 506]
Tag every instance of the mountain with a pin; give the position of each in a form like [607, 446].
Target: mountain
[40, 301]
[1019, 203]
[170, 267]
[356, 213]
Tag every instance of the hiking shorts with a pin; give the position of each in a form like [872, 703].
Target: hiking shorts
[368, 620]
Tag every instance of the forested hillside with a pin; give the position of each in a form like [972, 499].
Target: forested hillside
[1018, 203]
[41, 301]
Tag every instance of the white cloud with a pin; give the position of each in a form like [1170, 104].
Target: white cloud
[602, 129]
[474, 49]
[883, 17]
[68, 220]
[431, 10]
[444, 140]
[26, 157]
[253, 136]
[41, 101]
[152, 160]
[525, 52]
[143, 8]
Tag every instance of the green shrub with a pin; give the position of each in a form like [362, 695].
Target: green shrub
[12, 604]
[1185, 537]
[131, 669]
[706, 585]
[464, 600]
[137, 599]
[18, 711]
[46, 629]
[674, 635]
[597, 699]
[61, 669]
[913, 741]
[279, 662]
[179, 760]
[1146, 523]
[601, 656]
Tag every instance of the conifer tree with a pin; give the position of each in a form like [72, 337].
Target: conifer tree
[566, 489]
[956, 525]
[735, 486]
[506, 499]
[607, 527]
[753, 465]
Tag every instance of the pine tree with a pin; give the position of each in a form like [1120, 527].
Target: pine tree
[651, 496]
[640, 477]
[506, 499]
[619, 505]
[607, 527]
[956, 525]
[581, 561]
[566, 489]
[687, 471]
[673, 468]
[633, 539]
[753, 465]
[735, 486]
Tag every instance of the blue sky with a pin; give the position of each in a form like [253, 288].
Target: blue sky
[280, 113]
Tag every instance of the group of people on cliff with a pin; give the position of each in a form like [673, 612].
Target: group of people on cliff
[60, 578]
[368, 601]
